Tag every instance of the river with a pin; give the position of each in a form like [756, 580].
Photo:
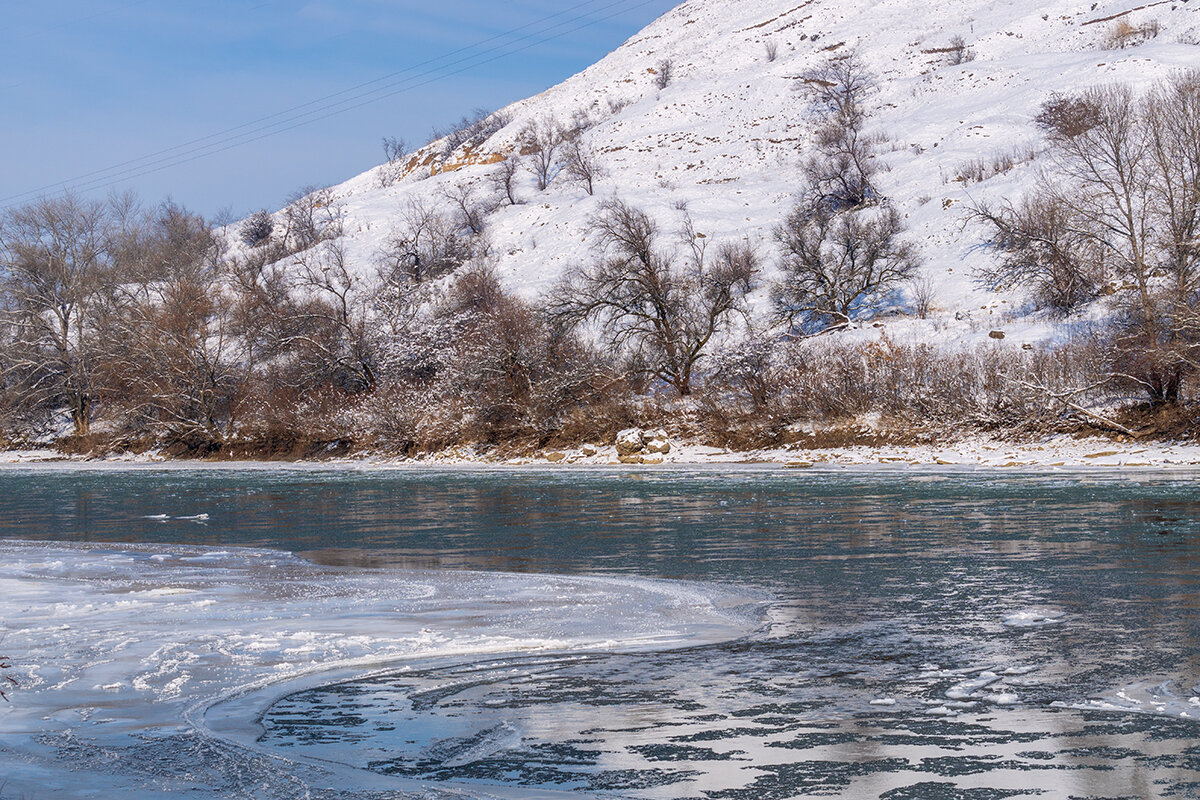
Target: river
[733, 632]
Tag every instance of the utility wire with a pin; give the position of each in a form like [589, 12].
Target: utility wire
[288, 111]
[352, 98]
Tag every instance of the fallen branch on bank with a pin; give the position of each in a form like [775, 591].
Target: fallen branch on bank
[1067, 398]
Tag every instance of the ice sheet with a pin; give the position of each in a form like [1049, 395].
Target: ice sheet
[119, 651]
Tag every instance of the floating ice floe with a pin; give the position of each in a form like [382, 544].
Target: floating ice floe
[1033, 618]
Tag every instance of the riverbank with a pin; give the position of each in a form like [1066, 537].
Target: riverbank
[1051, 452]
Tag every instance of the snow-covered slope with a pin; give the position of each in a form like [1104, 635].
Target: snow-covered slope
[726, 137]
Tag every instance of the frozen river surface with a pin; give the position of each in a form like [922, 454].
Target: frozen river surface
[746, 634]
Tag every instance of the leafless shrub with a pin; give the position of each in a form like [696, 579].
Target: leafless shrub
[981, 169]
[472, 210]
[395, 150]
[1066, 116]
[762, 388]
[311, 216]
[396, 153]
[618, 104]
[772, 49]
[922, 292]
[470, 133]
[959, 52]
[1124, 34]
[581, 121]
[1040, 248]
[663, 73]
[749, 366]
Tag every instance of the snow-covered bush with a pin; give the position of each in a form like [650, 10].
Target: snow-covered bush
[257, 229]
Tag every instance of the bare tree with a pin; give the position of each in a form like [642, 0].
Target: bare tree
[173, 361]
[1121, 195]
[54, 270]
[504, 179]
[541, 143]
[840, 174]
[839, 264]
[1172, 122]
[660, 313]
[395, 150]
[663, 73]
[842, 248]
[583, 166]
[311, 216]
[426, 245]
[339, 342]
[1040, 247]
[472, 211]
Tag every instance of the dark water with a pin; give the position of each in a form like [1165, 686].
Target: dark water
[931, 635]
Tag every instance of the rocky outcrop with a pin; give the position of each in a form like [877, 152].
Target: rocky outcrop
[637, 446]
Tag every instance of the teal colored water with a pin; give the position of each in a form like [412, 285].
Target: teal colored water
[927, 635]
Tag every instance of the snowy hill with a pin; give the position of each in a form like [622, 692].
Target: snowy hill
[725, 137]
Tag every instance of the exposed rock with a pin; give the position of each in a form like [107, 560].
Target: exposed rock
[997, 334]
[632, 459]
[554, 458]
[661, 446]
[589, 450]
[629, 442]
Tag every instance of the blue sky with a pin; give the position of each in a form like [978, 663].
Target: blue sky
[86, 85]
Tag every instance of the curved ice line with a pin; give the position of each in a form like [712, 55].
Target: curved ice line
[367, 668]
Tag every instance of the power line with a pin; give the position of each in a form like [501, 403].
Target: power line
[292, 109]
[352, 98]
